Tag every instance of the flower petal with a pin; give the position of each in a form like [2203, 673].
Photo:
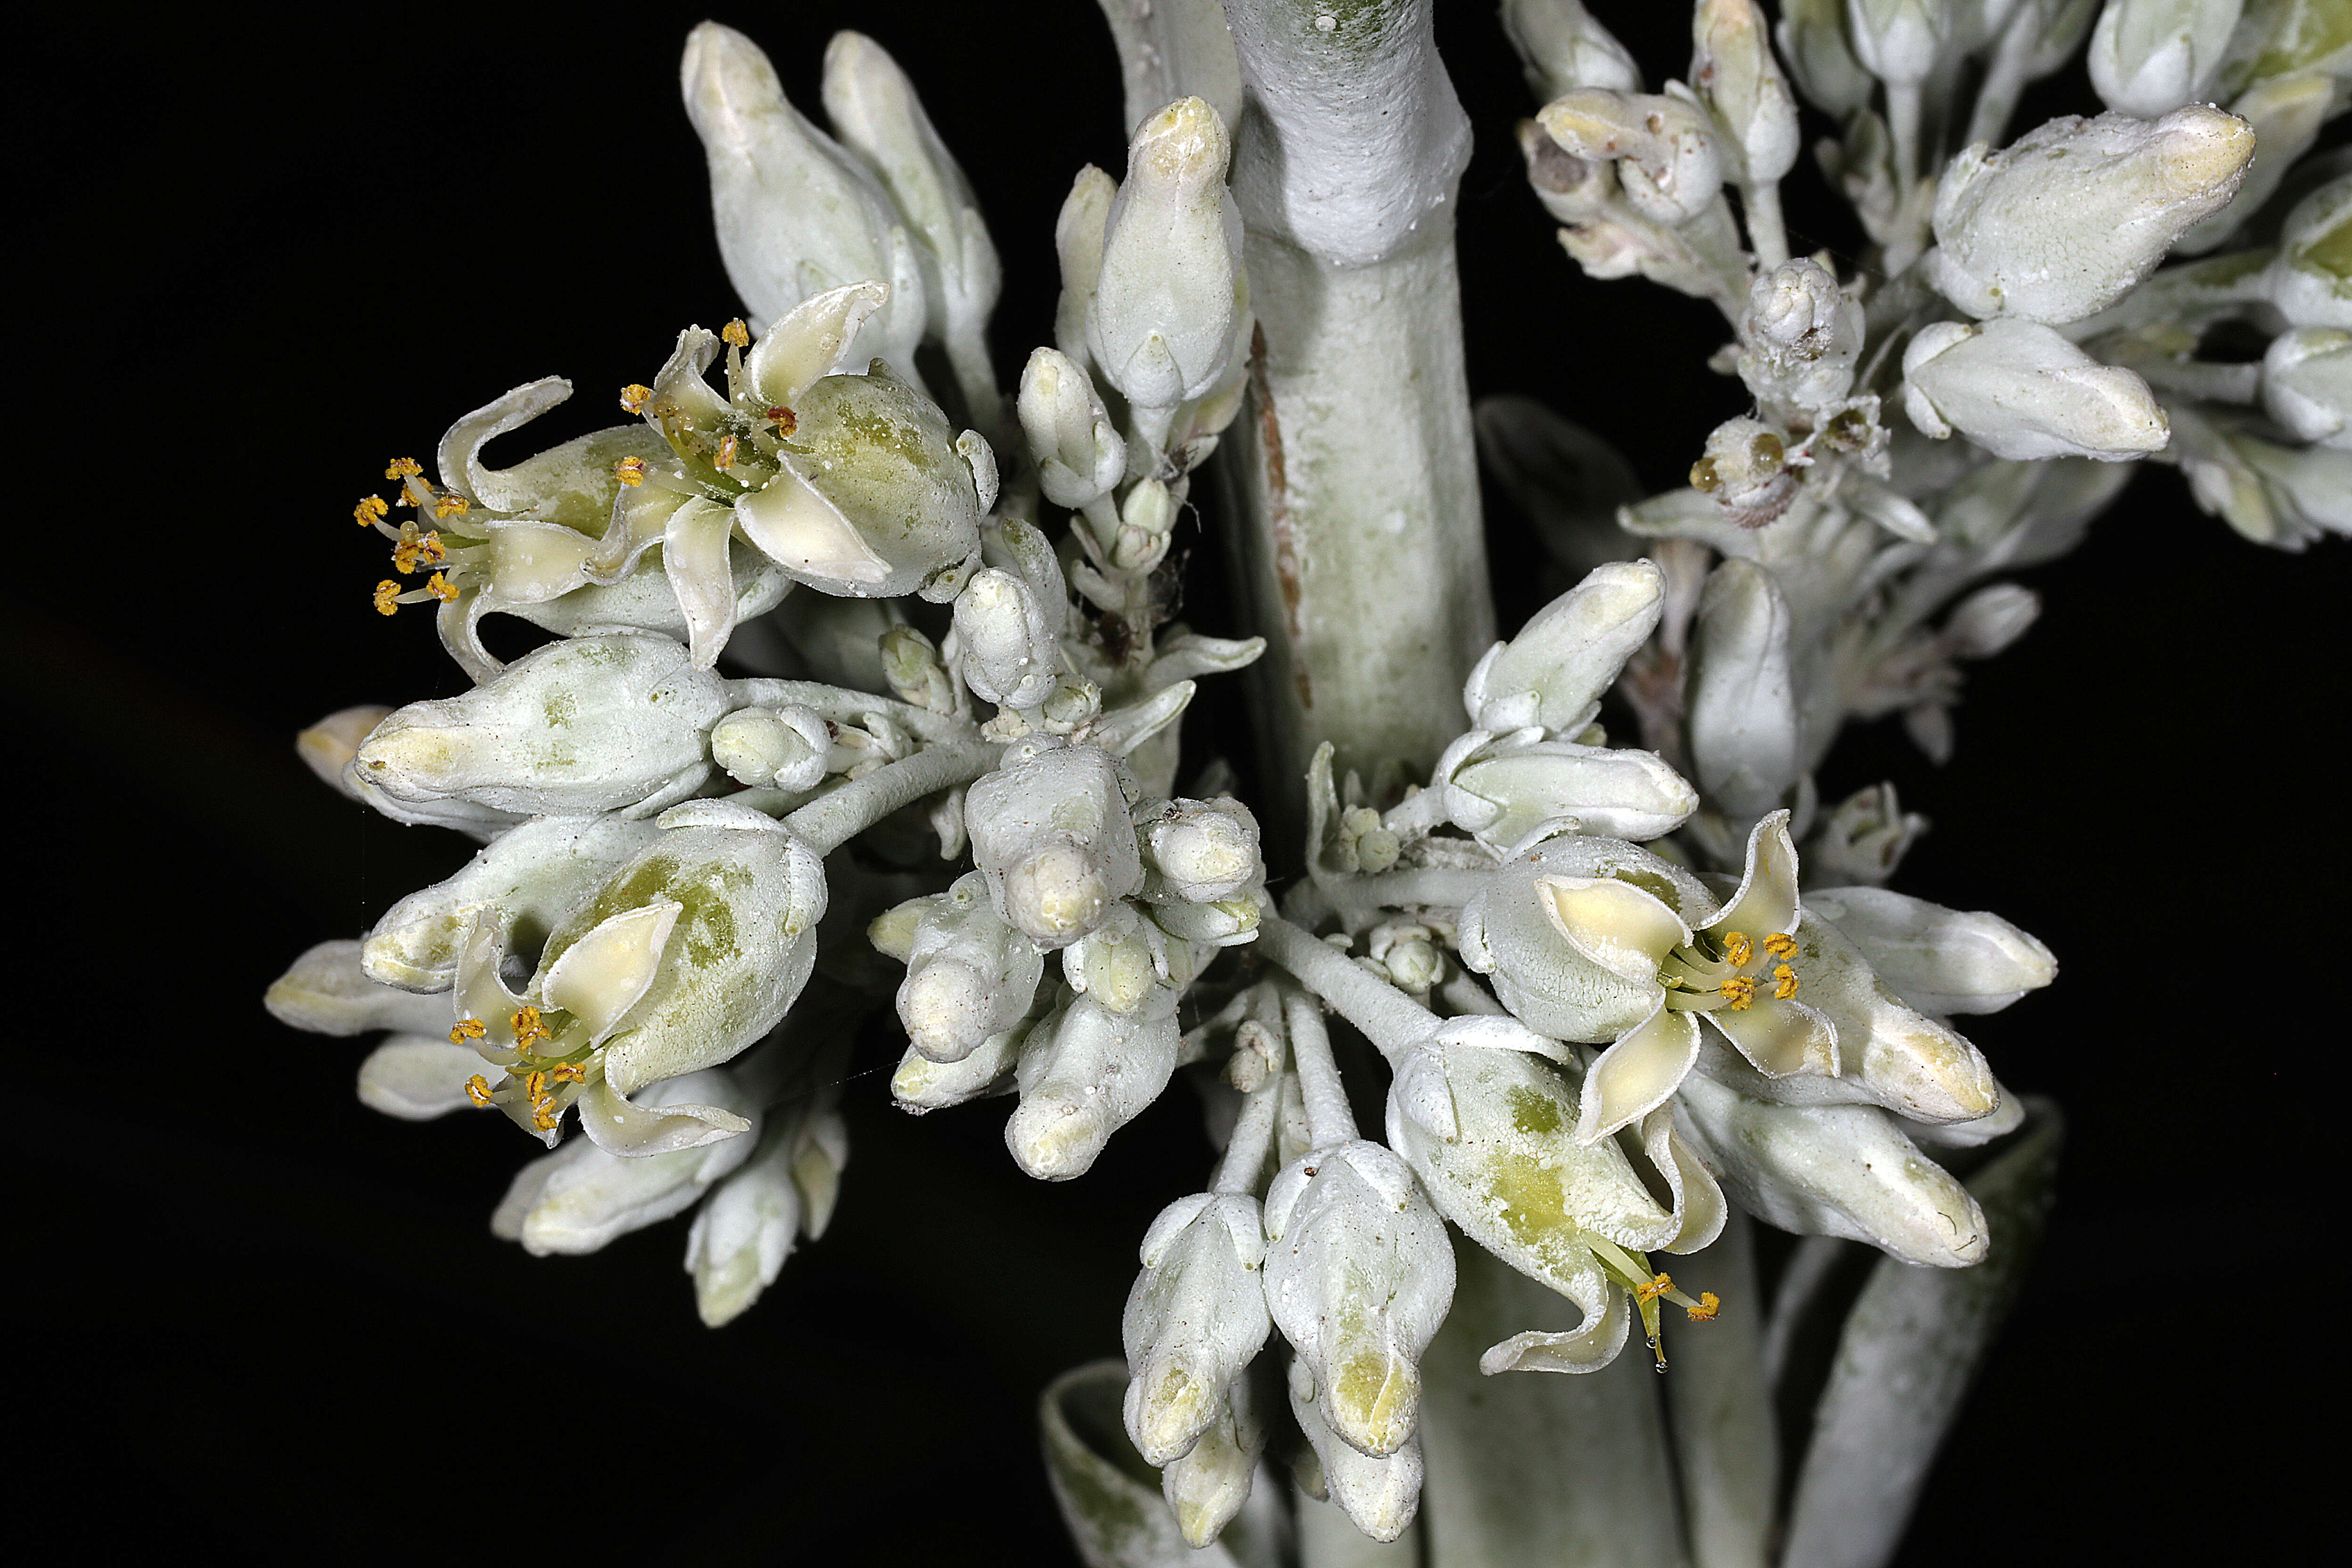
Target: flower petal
[1765, 904]
[417, 1077]
[806, 535]
[695, 557]
[1781, 1037]
[600, 977]
[1618, 926]
[1637, 1074]
[809, 340]
[617, 1127]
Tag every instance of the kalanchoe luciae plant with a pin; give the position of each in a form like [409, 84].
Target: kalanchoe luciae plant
[1632, 1001]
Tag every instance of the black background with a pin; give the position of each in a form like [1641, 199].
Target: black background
[251, 1314]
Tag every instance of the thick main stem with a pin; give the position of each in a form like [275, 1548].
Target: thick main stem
[1351, 478]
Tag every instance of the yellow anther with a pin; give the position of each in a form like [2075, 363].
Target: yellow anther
[534, 1085]
[1784, 982]
[633, 398]
[1709, 1304]
[370, 510]
[403, 469]
[568, 1072]
[387, 597]
[1737, 949]
[451, 505]
[1658, 1285]
[544, 1118]
[736, 334]
[1739, 991]
[477, 1090]
[527, 1026]
[725, 459]
[467, 1029]
[786, 420]
[630, 471]
[416, 550]
[1781, 945]
[441, 588]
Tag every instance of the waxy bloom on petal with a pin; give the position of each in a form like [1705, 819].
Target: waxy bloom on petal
[1658, 974]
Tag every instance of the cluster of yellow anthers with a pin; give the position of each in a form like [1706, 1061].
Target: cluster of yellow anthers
[537, 1085]
[679, 431]
[413, 549]
[1739, 950]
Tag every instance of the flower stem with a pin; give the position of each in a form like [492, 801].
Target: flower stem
[830, 821]
[1392, 1020]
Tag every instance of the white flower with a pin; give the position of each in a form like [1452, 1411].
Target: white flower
[1054, 839]
[970, 976]
[1085, 1075]
[1552, 673]
[1169, 293]
[2150, 56]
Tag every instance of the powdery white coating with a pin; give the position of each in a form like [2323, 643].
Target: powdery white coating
[2148, 57]
[1562, 48]
[1358, 1273]
[1380, 1495]
[970, 976]
[1746, 744]
[1170, 288]
[1937, 959]
[328, 992]
[1553, 672]
[1080, 454]
[1054, 839]
[1519, 787]
[1735, 74]
[2066, 218]
[1012, 654]
[590, 724]
[1084, 1076]
[1196, 1316]
[417, 1077]
[2020, 391]
[1352, 138]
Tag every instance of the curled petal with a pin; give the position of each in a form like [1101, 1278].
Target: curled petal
[1637, 1074]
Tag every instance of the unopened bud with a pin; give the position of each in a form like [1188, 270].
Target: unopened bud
[2022, 391]
[2149, 57]
[1667, 161]
[783, 747]
[1054, 836]
[1800, 336]
[1010, 654]
[1562, 48]
[1732, 69]
[1088, 1075]
[968, 974]
[1163, 323]
[1080, 454]
[1202, 851]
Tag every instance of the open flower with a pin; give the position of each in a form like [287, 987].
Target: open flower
[1648, 975]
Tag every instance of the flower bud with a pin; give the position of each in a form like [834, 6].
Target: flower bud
[1380, 1495]
[1835, 1170]
[874, 499]
[749, 896]
[917, 674]
[796, 213]
[1078, 232]
[1195, 1317]
[2311, 281]
[746, 1227]
[529, 876]
[2308, 384]
[1813, 38]
[1121, 962]
[1990, 619]
[1054, 839]
[1937, 959]
[1358, 1273]
[1899, 41]
[1552, 673]
[1011, 654]
[1166, 301]
[1080, 454]
[327, 992]
[1509, 790]
[328, 746]
[1228, 922]
[785, 747]
[1201, 852]
[2149, 57]
[1800, 336]
[2065, 220]
[1087, 1075]
[1745, 468]
[968, 974]
[1668, 162]
[1746, 741]
[1862, 839]
[874, 109]
[921, 1085]
[1733, 69]
[2022, 391]
[591, 725]
[2286, 115]
[1563, 49]
[1408, 953]
[581, 1198]
[1206, 1485]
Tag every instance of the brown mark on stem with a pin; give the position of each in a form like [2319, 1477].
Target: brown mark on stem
[1277, 511]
